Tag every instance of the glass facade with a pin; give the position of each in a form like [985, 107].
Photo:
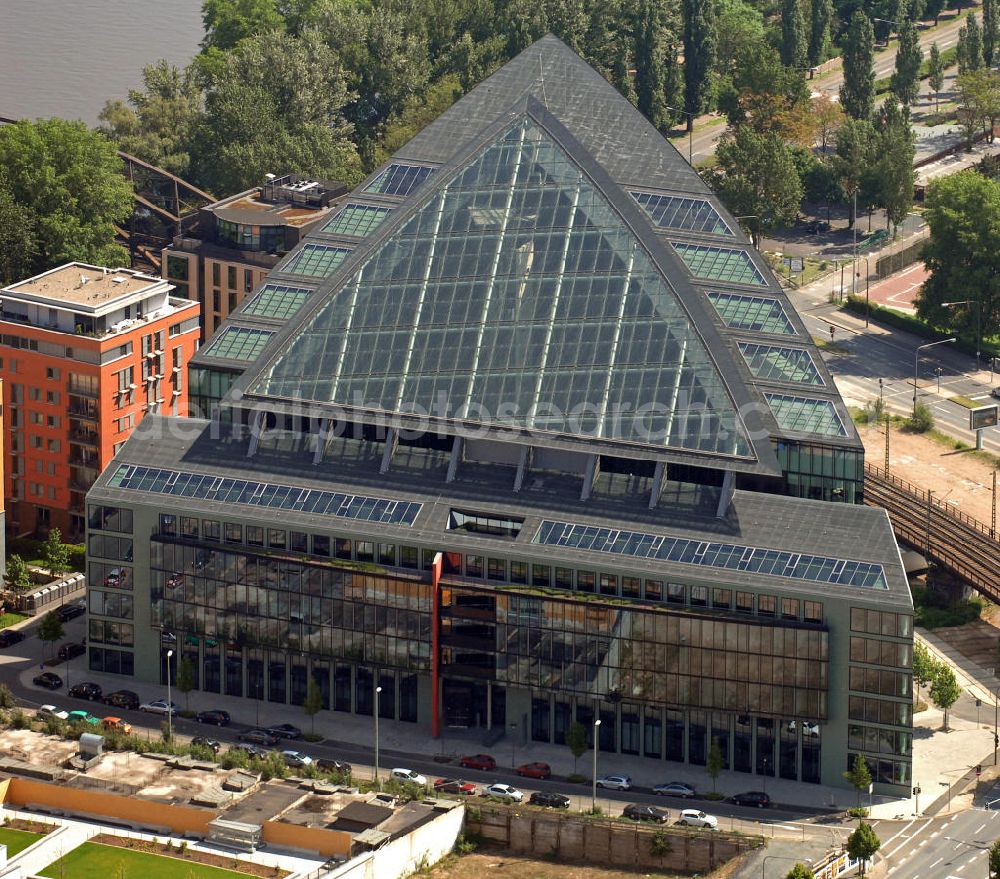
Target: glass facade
[720, 264]
[315, 260]
[238, 343]
[779, 363]
[822, 472]
[356, 220]
[756, 313]
[806, 414]
[279, 301]
[244, 236]
[688, 214]
[207, 387]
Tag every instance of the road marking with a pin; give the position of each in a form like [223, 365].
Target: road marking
[935, 833]
[938, 861]
[980, 827]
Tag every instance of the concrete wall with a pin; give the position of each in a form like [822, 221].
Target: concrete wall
[316, 839]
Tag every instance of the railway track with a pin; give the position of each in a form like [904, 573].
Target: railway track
[963, 545]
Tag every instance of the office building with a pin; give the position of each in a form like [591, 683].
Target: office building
[524, 434]
[85, 353]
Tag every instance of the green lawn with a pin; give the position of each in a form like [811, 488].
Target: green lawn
[8, 619]
[17, 840]
[93, 859]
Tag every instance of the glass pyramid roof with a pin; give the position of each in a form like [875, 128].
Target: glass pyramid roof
[514, 295]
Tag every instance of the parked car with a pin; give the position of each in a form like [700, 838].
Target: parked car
[643, 812]
[615, 782]
[549, 800]
[454, 786]
[122, 699]
[46, 711]
[504, 792]
[296, 759]
[114, 577]
[47, 679]
[86, 690]
[484, 762]
[81, 716]
[752, 798]
[10, 637]
[159, 706]
[250, 750]
[285, 731]
[258, 737]
[328, 764]
[407, 776]
[535, 770]
[117, 725]
[67, 612]
[71, 650]
[212, 744]
[214, 716]
[697, 818]
[674, 789]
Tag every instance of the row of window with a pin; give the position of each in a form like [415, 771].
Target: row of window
[880, 711]
[111, 632]
[875, 622]
[884, 771]
[106, 547]
[879, 741]
[110, 604]
[105, 518]
[880, 682]
[889, 653]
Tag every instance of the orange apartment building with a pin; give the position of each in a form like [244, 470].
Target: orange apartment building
[85, 353]
[240, 239]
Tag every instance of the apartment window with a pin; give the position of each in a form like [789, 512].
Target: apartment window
[276, 538]
[175, 330]
[518, 572]
[541, 575]
[215, 302]
[255, 535]
[676, 593]
[35, 418]
[168, 525]
[496, 569]
[52, 492]
[387, 554]
[211, 530]
[233, 533]
[654, 590]
[216, 275]
[52, 397]
[474, 566]
[767, 605]
[34, 442]
[365, 551]
[52, 373]
[34, 394]
[699, 596]
[247, 280]
[231, 277]
[744, 602]
[631, 587]
[564, 578]
[232, 301]
[52, 420]
[722, 599]
[321, 545]
[812, 611]
[409, 557]
[586, 581]
[789, 608]
[609, 584]
[343, 548]
[298, 541]
[189, 527]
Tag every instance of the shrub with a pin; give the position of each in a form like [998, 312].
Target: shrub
[6, 697]
[235, 758]
[858, 812]
[576, 778]
[19, 720]
[660, 844]
[466, 845]
[922, 419]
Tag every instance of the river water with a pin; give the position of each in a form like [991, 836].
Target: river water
[67, 57]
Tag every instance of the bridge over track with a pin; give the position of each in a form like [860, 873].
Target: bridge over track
[963, 545]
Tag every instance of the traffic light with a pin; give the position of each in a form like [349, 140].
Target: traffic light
[979, 770]
[996, 740]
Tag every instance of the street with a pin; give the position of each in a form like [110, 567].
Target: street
[940, 848]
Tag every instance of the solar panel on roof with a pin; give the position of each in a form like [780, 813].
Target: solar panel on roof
[277, 300]
[399, 180]
[688, 214]
[778, 363]
[264, 494]
[806, 414]
[728, 556]
[238, 343]
[757, 313]
[316, 260]
[719, 264]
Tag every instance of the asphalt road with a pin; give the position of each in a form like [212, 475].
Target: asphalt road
[952, 847]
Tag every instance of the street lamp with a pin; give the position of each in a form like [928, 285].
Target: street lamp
[691, 118]
[916, 366]
[868, 280]
[513, 743]
[593, 790]
[781, 858]
[979, 318]
[378, 690]
[170, 705]
[996, 717]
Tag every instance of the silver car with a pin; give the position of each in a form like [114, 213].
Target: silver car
[615, 782]
[674, 789]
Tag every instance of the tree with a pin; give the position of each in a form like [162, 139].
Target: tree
[905, 83]
[764, 94]
[944, 690]
[227, 22]
[649, 62]
[793, 34]
[16, 577]
[64, 183]
[924, 665]
[50, 629]
[185, 680]
[894, 169]
[738, 26]
[862, 844]
[979, 103]
[991, 31]
[576, 741]
[18, 249]
[859, 776]
[857, 94]
[756, 175]
[800, 871]
[994, 860]
[699, 55]
[854, 157]
[819, 31]
[933, 9]
[828, 116]
[55, 554]
[314, 703]
[969, 51]
[935, 73]
[715, 763]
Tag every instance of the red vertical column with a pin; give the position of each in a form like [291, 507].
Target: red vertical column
[436, 645]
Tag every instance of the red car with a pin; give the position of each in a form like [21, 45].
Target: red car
[535, 770]
[478, 761]
[455, 786]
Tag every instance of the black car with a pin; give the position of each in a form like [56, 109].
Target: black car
[10, 637]
[212, 744]
[285, 731]
[69, 612]
[258, 737]
[752, 798]
[642, 812]
[251, 750]
[70, 650]
[48, 680]
[86, 690]
[214, 716]
[122, 699]
[328, 764]
[549, 800]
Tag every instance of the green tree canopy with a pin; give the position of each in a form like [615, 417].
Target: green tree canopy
[800, 871]
[991, 31]
[862, 844]
[859, 776]
[66, 181]
[820, 20]
[16, 576]
[945, 690]
[50, 629]
[924, 665]
[857, 94]
[227, 22]
[738, 26]
[855, 153]
[793, 34]
[935, 72]
[698, 18]
[979, 103]
[905, 83]
[894, 169]
[576, 741]
[185, 680]
[18, 248]
[994, 860]
[969, 51]
[649, 68]
[313, 703]
[55, 553]
[715, 763]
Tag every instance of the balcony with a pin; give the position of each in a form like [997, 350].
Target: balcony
[85, 437]
[82, 410]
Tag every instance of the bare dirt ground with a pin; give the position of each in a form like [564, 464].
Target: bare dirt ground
[956, 478]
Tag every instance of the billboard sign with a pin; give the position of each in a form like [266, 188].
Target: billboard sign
[984, 416]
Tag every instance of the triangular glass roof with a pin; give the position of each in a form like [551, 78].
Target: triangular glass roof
[515, 296]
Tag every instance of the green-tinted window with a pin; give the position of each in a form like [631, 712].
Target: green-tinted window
[806, 414]
[357, 220]
[720, 264]
[316, 260]
[277, 300]
[777, 363]
[674, 212]
[177, 268]
[238, 343]
[399, 180]
[752, 313]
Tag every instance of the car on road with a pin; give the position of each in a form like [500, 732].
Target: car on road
[285, 731]
[261, 737]
[202, 742]
[454, 786]
[615, 782]
[67, 612]
[644, 812]
[46, 711]
[483, 762]
[86, 690]
[296, 759]
[503, 792]
[752, 798]
[697, 818]
[71, 650]
[534, 770]
[674, 789]
[214, 716]
[81, 716]
[10, 637]
[159, 706]
[549, 800]
[116, 724]
[407, 776]
[49, 680]
[250, 750]
[122, 699]
[328, 764]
